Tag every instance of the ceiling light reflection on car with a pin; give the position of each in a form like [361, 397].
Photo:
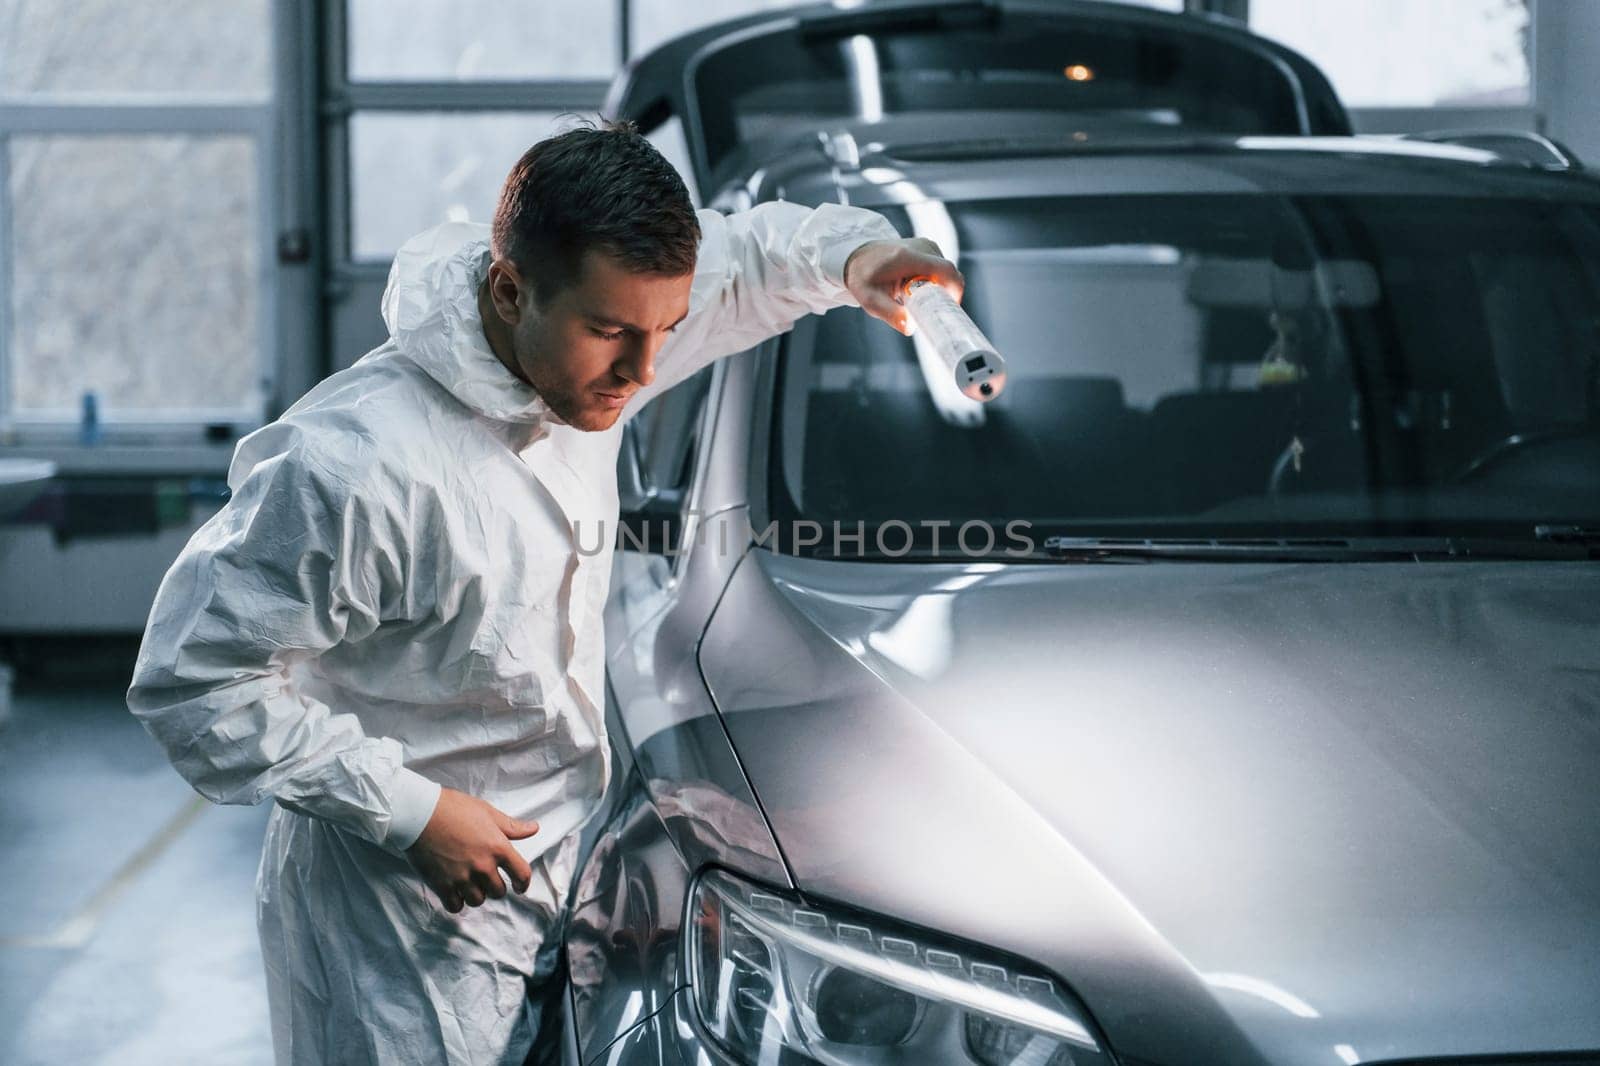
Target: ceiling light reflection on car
[1079, 72]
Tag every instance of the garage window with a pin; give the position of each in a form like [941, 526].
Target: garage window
[481, 40]
[429, 105]
[454, 166]
[1410, 53]
[135, 154]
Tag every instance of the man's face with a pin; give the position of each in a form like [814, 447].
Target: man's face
[593, 345]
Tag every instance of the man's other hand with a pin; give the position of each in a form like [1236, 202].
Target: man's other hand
[464, 847]
[878, 272]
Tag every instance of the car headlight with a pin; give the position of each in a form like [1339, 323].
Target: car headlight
[777, 981]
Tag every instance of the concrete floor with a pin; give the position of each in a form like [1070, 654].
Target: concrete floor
[127, 905]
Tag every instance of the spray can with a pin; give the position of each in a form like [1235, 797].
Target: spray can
[979, 371]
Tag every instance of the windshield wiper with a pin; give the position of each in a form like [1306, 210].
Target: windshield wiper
[1315, 549]
[1587, 536]
[1547, 543]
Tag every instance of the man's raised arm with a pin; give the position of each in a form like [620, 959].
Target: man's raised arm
[761, 270]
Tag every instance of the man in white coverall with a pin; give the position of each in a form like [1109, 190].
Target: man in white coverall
[389, 628]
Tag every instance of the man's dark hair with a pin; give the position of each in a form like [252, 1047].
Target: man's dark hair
[594, 187]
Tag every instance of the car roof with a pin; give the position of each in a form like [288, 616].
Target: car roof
[888, 163]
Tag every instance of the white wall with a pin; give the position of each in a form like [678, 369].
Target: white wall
[1567, 73]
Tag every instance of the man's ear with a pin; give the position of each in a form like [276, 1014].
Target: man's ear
[505, 291]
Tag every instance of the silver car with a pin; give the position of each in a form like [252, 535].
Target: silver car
[1225, 692]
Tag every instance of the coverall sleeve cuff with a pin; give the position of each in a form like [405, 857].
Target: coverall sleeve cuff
[411, 802]
[834, 255]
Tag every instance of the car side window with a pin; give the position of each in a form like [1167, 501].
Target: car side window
[661, 440]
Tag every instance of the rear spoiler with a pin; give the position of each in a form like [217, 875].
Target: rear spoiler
[1534, 149]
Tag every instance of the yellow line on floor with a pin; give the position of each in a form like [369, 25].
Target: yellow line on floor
[77, 929]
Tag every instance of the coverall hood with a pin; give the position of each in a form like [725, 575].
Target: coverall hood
[431, 308]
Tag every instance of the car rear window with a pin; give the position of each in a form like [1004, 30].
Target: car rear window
[789, 83]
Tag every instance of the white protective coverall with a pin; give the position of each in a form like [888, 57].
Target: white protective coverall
[393, 601]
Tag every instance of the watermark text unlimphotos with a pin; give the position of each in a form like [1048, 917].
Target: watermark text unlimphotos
[892, 539]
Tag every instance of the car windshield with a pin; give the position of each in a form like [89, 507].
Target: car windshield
[1223, 366]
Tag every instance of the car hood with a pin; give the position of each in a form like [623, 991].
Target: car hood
[1319, 813]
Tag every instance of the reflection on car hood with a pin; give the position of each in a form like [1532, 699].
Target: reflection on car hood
[1281, 813]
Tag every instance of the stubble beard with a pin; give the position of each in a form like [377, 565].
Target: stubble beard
[566, 404]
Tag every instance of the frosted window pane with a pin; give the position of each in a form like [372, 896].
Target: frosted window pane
[135, 273]
[655, 21]
[482, 40]
[1408, 53]
[192, 48]
[412, 170]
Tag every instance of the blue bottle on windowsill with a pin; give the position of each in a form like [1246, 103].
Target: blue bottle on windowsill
[89, 423]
